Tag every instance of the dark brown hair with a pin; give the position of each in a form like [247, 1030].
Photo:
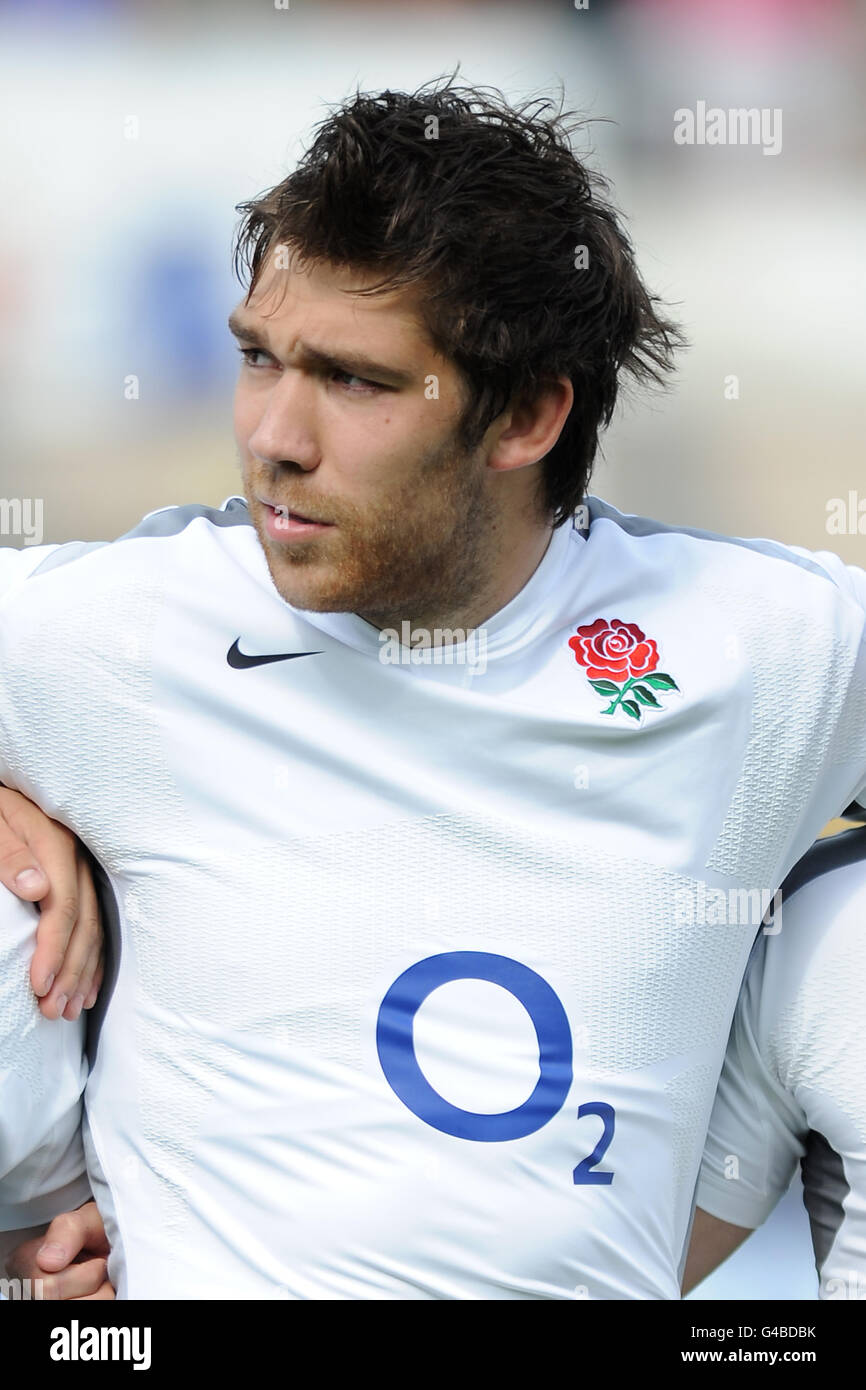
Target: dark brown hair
[484, 208]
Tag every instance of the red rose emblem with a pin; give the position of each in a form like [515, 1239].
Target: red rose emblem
[615, 650]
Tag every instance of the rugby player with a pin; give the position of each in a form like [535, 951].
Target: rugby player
[792, 1084]
[447, 1037]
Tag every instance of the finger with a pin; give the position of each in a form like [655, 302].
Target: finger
[20, 869]
[84, 939]
[97, 983]
[106, 1291]
[71, 1233]
[78, 1280]
[85, 944]
[85, 989]
[59, 910]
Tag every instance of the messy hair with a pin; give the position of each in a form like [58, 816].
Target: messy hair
[524, 271]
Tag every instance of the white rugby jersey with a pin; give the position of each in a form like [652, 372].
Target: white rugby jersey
[16, 565]
[419, 992]
[42, 1076]
[794, 1081]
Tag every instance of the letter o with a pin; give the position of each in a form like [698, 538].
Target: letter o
[396, 1048]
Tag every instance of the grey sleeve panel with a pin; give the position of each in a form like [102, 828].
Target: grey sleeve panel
[62, 556]
[643, 526]
[169, 521]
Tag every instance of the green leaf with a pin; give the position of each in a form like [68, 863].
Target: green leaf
[631, 708]
[645, 696]
[605, 687]
[661, 681]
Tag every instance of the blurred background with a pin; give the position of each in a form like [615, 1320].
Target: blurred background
[130, 130]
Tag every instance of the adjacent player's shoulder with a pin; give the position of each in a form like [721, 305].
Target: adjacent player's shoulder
[812, 964]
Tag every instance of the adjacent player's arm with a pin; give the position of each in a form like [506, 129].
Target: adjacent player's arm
[713, 1240]
[754, 1140]
[42, 862]
[42, 1076]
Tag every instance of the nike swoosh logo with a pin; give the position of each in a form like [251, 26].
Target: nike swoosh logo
[239, 660]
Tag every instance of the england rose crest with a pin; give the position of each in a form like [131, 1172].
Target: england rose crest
[620, 661]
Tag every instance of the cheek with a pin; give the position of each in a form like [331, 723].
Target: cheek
[242, 418]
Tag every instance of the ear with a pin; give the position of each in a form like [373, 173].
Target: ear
[528, 430]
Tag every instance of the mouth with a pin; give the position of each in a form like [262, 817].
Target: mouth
[285, 523]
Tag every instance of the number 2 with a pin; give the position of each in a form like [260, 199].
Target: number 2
[584, 1172]
[394, 1042]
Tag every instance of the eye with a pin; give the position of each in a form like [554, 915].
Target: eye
[362, 386]
[249, 353]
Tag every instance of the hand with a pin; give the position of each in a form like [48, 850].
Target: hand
[70, 1258]
[42, 862]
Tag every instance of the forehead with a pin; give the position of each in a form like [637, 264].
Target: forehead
[323, 301]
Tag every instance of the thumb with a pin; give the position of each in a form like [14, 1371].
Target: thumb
[69, 1234]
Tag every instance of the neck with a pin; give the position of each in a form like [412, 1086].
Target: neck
[519, 552]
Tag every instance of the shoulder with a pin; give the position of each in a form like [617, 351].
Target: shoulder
[165, 523]
[93, 578]
[806, 978]
[736, 556]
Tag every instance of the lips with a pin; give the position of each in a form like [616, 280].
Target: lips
[285, 526]
[287, 514]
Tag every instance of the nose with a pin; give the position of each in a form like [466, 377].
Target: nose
[286, 430]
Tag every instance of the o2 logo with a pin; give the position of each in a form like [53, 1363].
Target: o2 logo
[397, 1055]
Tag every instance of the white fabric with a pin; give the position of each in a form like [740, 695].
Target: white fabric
[16, 565]
[796, 1063]
[285, 841]
[42, 1076]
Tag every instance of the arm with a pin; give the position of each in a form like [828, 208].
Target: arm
[756, 1134]
[67, 965]
[66, 970]
[711, 1243]
[42, 1077]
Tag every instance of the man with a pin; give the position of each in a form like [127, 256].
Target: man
[448, 1037]
[792, 1086]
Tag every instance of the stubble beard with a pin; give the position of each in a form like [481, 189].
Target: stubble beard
[424, 555]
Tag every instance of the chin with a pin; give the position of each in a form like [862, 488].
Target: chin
[314, 593]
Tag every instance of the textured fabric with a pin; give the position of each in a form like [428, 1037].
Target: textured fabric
[290, 844]
[794, 1081]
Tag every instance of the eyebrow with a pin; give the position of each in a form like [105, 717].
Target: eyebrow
[354, 363]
